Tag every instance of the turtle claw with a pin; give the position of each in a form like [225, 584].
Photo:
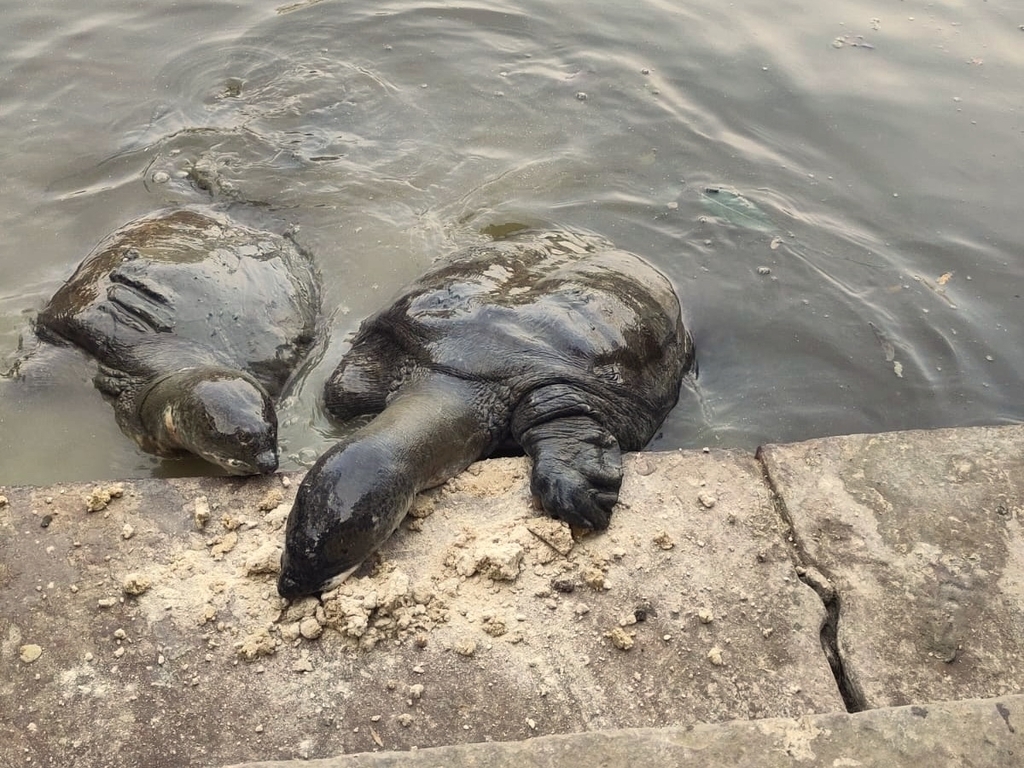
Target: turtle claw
[577, 474]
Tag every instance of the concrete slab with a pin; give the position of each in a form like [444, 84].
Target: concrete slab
[982, 734]
[920, 534]
[150, 629]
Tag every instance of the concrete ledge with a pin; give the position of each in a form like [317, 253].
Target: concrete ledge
[832, 575]
[982, 733]
[920, 537]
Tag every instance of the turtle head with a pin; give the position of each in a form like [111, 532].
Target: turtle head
[348, 504]
[221, 415]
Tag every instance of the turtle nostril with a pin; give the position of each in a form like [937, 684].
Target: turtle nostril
[288, 587]
[266, 462]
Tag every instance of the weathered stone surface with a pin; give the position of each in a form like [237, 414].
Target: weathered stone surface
[985, 734]
[471, 625]
[921, 535]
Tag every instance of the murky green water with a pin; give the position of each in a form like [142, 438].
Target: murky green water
[859, 267]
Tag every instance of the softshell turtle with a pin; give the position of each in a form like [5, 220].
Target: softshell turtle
[197, 322]
[556, 342]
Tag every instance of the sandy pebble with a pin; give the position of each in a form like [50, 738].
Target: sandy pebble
[270, 500]
[663, 540]
[201, 515]
[3, 501]
[715, 657]
[134, 584]
[706, 499]
[620, 638]
[465, 647]
[705, 615]
[100, 497]
[127, 532]
[107, 602]
[310, 628]
[416, 691]
[119, 652]
[405, 719]
[30, 653]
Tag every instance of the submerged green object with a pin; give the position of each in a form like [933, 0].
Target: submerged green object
[736, 209]
[196, 322]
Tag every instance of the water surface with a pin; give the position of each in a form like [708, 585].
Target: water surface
[835, 191]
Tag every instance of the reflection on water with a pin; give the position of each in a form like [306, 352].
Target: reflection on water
[833, 192]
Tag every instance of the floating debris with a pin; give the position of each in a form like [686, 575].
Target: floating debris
[735, 209]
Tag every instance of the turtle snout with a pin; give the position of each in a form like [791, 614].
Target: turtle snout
[266, 462]
[289, 587]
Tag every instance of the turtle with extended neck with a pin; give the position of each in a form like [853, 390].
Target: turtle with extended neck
[554, 341]
[196, 322]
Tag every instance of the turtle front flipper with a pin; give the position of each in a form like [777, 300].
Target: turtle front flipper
[577, 470]
[360, 385]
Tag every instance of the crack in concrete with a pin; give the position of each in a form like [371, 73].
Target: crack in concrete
[808, 572]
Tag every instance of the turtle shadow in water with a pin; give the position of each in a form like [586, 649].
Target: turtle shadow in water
[196, 323]
[555, 342]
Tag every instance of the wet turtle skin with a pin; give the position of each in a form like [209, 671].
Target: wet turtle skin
[196, 322]
[555, 342]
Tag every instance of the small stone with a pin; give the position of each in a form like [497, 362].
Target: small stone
[706, 499]
[581, 96]
[30, 652]
[664, 541]
[270, 500]
[127, 532]
[416, 692]
[620, 638]
[161, 177]
[554, 533]
[266, 559]
[119, 652]
[201, 515]
[594, 578]
[563, 585]
[134, 584]
[120, 634]
[259, 729]
[715, 657]
[3, 501]
[107, 602]
[98, 499]
[705, 615]
[764, 270]
[405, 719]
[302, 665]
[310, 628]
[465, 647]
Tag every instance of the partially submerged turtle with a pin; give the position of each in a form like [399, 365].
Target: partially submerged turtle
[196, 322]
[557, 342]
